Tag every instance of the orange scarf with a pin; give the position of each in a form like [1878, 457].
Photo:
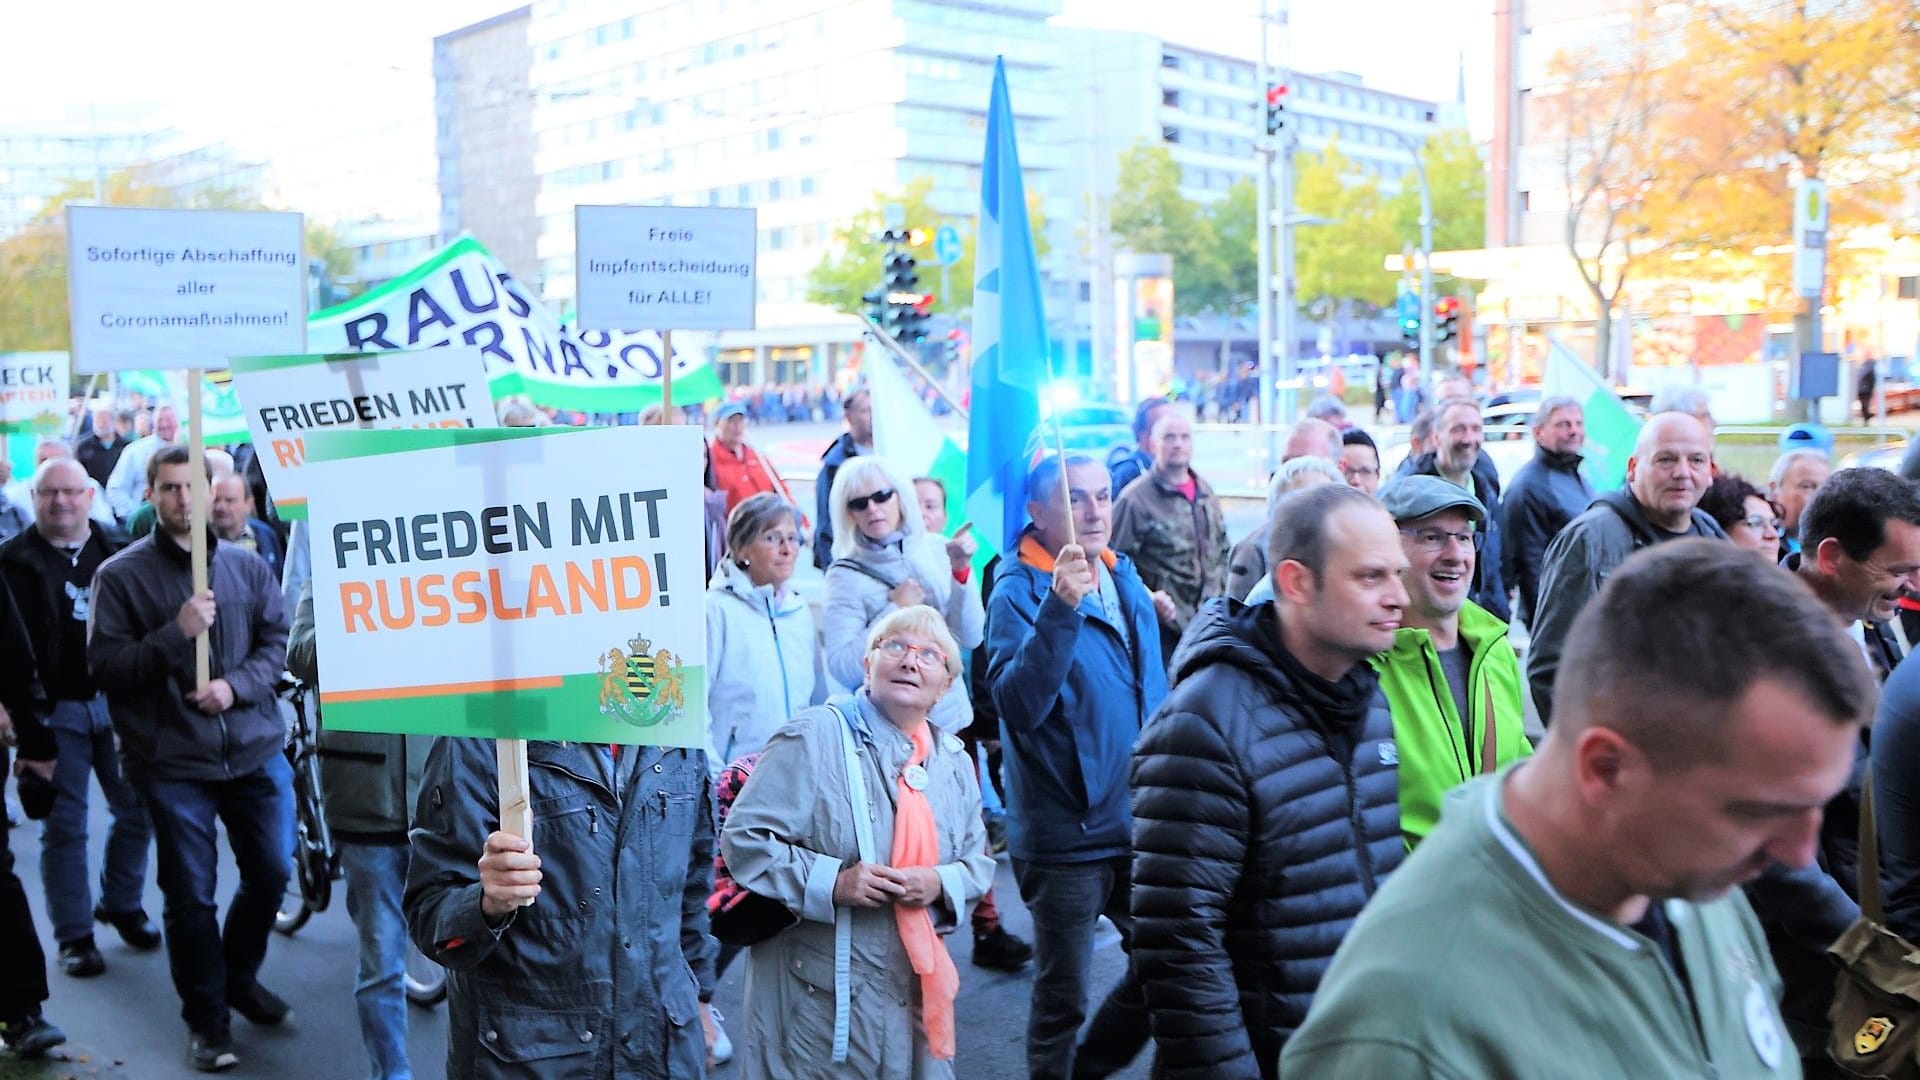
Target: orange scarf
[916, 842]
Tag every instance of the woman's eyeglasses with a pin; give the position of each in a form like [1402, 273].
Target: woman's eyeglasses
[927, 655]
[878, 498]
[1761, 522]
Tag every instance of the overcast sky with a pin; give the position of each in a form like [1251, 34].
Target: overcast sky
[341, 94]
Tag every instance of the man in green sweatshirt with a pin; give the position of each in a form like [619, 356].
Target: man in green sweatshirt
[1452, 680]
[1576, 913]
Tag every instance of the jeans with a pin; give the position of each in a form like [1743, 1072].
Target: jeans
[209, 963]
[376, 879]
[84, 737]
[1066, 901]
[23, 977]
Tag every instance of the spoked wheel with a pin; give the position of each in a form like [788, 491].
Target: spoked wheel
[426, 980]
[314, 868]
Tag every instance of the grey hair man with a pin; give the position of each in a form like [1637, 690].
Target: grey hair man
[1544, 495]
[1681, 398]
[1330, 410]
[1247, 564]
[1671, 466]
[1796, 476]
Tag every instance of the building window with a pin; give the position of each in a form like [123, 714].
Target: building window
[808, 185]
[1170, 61]
[776, 190]
[1170, 134]
[1170, 98]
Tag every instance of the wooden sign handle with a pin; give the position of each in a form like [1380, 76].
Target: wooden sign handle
[666, 374]
[516, 803]
[197, 521]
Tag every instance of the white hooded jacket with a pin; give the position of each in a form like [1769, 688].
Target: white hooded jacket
[763, 663]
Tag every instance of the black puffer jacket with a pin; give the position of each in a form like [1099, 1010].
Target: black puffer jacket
[1266, 813]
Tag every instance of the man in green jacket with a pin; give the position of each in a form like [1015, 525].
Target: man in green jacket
[1452, 679]
[1578, 911]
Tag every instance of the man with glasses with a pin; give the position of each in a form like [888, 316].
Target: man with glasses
[1360, 460]
[1452, 679]
[1456, 456]
[49, 569]
[1671, 466]
[1545, 494]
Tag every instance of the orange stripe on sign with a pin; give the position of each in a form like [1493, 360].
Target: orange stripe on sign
[396, 693]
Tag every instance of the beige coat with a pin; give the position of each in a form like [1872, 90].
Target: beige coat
[788, 836]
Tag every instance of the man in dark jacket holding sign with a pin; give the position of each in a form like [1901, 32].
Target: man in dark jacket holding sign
[197, 755]
[1265, 792]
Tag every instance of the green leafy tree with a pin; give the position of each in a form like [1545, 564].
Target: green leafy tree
[851, 270]
[1212, 246]
[1340, 261]
[1457, 177]
[33, 261]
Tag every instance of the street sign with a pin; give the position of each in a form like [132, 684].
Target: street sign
[946, 245]
[1810, 237]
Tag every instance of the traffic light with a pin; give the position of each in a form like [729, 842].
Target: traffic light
[953, 345]
[1409, 305]
[1446, 318]
[911, 328]
[1276, 108]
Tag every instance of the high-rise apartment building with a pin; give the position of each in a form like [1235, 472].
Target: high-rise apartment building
[483, 134]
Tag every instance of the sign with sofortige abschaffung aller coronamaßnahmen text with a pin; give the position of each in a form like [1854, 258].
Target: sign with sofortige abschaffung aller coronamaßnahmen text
[665, 267]
[183, 288]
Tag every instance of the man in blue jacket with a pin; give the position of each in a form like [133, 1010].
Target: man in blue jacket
[1073, 641]
[1545, 494]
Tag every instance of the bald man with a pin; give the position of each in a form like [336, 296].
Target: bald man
[1671, 466]
[1311, 438]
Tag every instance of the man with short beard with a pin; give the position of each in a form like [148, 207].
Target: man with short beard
[1545, 494]
[201, 754]
[1671, 466]
[1455, 456]
[1452, 679]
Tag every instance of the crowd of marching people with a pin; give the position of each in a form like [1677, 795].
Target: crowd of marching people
[1292, 769]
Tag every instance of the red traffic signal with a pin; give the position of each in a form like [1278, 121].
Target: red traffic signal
[1276, 94]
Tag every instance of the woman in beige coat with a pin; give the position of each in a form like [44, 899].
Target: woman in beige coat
[838, 995]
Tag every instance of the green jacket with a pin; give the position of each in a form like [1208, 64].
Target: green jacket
[1469, 965]
[1438, 754]
[1177, 546]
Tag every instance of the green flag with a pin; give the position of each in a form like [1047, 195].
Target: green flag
[1611, 428]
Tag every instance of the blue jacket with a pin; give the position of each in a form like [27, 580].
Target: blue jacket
[1072, 697]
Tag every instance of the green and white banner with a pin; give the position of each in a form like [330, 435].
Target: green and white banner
[222, 421]
[506, 584]
[462, 295]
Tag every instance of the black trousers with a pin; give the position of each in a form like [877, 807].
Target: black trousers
[23, 978]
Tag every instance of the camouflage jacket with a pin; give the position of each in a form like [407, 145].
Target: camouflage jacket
[1178, 546]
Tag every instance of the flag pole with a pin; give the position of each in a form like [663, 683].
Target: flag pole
[666, 376]
[905, 356]
[197, 520]
[1060, 449]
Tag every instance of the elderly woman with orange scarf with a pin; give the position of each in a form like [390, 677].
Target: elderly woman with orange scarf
[874, 870]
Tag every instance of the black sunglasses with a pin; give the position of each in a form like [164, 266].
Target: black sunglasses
[878, 498]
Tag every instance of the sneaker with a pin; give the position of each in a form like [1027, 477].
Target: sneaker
[211, 1053]
[722, 1046]
[260, 1005]
[79, 958]
[133, 927]
[30, 1036]
[1000, 951]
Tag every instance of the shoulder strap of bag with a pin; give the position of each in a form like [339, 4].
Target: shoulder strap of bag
[1869, 855]
[1489, 738]
[843, 917]
[859, 567]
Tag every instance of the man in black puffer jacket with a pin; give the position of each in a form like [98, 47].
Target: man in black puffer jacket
[1265, 792]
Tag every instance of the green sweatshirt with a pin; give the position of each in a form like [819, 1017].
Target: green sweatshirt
[1437, 752]
[1468, 965]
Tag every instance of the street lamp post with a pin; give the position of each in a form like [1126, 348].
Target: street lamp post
[1426, 258]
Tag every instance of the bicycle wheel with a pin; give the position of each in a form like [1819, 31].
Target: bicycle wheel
[315, 864]
[426, 980]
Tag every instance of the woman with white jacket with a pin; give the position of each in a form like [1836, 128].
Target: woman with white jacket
[763, 664]
[885, 560]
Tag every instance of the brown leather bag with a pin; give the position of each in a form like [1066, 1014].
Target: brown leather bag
[1876, 1004]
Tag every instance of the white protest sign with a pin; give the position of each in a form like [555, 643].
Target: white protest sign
[665, 267]
[519, 583]
[33, 393]
[183, 288]
[285, 398]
